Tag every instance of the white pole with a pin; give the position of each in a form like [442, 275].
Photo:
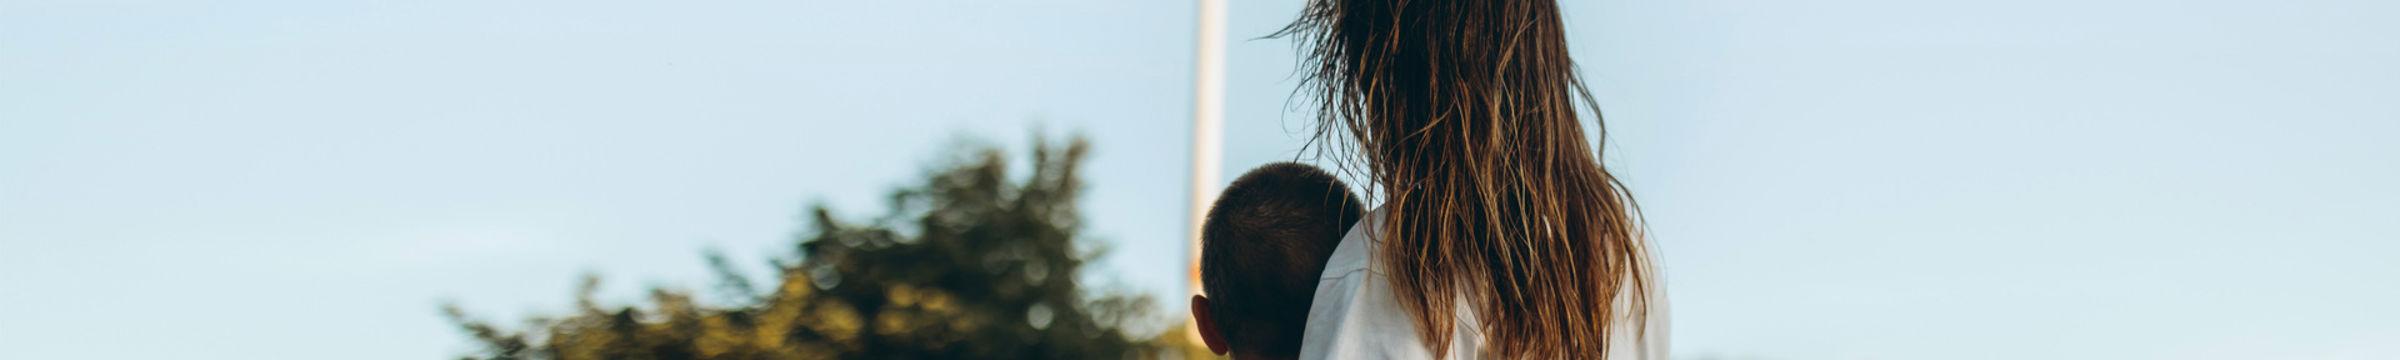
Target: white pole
[1208, 124]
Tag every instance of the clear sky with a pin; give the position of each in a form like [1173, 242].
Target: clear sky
[1842, 179]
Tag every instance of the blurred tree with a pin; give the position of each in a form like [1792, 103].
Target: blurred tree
[967, 264]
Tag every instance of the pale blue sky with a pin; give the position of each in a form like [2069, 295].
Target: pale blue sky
[1844, 179]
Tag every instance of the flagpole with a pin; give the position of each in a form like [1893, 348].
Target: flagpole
[1208, 128]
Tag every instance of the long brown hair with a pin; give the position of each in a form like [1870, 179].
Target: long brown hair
[1465, 115]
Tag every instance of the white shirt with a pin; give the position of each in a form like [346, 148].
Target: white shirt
[1355, 316]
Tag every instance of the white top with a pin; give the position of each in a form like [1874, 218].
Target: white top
[1355, 316]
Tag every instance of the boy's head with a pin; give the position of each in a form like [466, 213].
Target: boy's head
[1261, 251]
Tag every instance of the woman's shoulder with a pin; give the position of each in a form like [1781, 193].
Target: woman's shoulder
[1355, 253]
[1353, 314]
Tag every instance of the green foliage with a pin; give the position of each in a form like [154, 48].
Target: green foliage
[967, 264]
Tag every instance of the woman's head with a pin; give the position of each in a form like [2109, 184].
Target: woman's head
[1465, 115]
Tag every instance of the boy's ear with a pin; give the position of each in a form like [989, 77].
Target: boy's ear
[1208, 325]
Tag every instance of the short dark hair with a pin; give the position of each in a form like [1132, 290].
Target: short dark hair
[1262, 248]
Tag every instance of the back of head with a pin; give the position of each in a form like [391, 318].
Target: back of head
[1262, 249]
[1466, 115]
